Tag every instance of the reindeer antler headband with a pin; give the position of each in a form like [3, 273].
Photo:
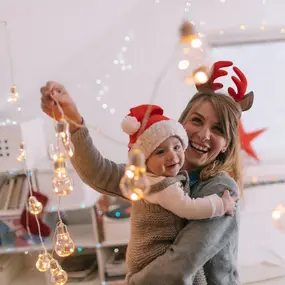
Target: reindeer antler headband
[244, 100]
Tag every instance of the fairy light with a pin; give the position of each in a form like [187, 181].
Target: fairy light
[195, 71]
[14, 95]
[22, 155]
[58, 275]
[64, 245]
[43, 262]
[35, 207]
[278, 217]
[134, 184]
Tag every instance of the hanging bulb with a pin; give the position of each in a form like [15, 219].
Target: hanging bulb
[134, 184]
[35, 207]
[43, 262]
[62, 132]
[13, 96]
[189, 36]
[193, 60]
[22, 155]
[53, 152]
[201, 75]
[278, 217]
[64, 245]
[58, 276]
[62, 184]
[69, 147]
[61, 128]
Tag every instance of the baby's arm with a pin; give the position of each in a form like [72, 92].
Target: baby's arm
[174, 199]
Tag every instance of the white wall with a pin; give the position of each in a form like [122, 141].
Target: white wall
[51, 41]
[263, 66]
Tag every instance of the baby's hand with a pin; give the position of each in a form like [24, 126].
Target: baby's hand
[230, 203]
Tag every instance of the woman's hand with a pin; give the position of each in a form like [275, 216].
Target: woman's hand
[55, 91]
[230, 203]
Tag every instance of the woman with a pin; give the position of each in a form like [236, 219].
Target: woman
[211, 122]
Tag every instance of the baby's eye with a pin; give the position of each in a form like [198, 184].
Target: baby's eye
[177, 147]
[160, 152]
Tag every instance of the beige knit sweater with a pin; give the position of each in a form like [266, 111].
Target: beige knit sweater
[153, 228]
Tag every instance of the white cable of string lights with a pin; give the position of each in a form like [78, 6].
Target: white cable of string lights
[27, 173]
[8, 44]
[25, 170]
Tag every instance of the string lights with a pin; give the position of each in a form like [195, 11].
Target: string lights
[278, 217]
[13, 95]
[62, 185]
[134, 184]
[193, 61]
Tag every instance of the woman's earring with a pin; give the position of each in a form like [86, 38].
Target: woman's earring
[223, 150]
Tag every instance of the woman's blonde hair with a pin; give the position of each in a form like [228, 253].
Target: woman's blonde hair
[229, 113]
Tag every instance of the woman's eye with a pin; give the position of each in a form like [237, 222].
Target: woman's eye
[219, 129]
[196, 120]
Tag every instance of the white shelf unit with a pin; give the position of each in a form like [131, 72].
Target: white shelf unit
[84, 236]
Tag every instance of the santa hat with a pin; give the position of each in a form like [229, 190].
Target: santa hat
[156, 130]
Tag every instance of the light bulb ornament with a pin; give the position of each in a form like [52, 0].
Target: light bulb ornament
[43, 262]
[63, 135]
[58, 275]
[134, 184]
[22, 154]
[193, 61]
[64, 245]
[14, 95]
[35, 207]
[278, 217]
[62, 184]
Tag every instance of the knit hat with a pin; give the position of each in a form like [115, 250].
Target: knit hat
[156, 130]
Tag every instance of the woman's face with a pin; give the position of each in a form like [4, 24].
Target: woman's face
[206, 136]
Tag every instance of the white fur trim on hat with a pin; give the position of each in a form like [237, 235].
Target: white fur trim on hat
[130, 125]
[153, 136]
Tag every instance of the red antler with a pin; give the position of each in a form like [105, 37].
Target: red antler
[241, 84]
[217, 72]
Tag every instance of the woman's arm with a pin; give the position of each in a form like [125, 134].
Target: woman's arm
[99, 173]
[195, 245]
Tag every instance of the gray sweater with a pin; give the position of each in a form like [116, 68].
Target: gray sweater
[211, 243]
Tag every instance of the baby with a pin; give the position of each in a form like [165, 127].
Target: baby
[161, 214]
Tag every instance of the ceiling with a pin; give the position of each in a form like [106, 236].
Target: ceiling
[45, 36]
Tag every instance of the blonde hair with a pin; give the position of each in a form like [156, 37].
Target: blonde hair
[229, 113]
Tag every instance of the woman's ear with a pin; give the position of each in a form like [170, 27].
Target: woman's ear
[223, 150]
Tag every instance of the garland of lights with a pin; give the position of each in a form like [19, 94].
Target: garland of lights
[63, 150]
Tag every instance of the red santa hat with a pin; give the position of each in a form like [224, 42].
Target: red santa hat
[156, 130]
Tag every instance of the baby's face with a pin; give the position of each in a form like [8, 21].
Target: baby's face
[167, 159]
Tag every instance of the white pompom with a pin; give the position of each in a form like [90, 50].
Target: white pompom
[130, 125]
